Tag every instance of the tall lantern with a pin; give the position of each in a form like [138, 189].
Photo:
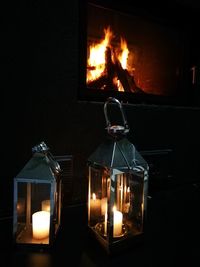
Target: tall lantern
[37, 200]
[117, 188]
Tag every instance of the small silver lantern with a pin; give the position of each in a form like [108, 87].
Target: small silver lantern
[37, 199]
[117, 188]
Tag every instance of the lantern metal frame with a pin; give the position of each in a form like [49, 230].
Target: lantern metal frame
[117, 188]
[37, 200]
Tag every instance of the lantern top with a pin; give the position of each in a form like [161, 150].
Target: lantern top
[118, 154]
[41, 166]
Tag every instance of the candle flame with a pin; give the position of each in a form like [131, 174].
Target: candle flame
[93, 196]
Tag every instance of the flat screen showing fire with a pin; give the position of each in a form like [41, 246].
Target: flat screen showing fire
[132, 54]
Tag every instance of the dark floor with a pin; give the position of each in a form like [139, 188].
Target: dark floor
[171, 237]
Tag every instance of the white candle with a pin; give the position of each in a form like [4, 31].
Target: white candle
[104, 208]
[41, 224]
[46, 205]
[117, 223]
[95, 206]
[105, 223]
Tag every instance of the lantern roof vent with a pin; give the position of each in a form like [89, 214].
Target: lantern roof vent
[116, 151]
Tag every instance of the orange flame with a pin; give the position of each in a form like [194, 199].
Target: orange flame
[96, 60]
[123, 57]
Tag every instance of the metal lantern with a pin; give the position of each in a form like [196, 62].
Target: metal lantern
[37, 199]
[117, 188]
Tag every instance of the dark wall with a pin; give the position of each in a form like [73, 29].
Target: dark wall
[40, 82]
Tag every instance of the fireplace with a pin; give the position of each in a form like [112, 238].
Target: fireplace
[133, 56]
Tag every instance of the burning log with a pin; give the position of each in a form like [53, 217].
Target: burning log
[103, 82]
[122, 76]
[125, 78]
[99, 82]
[109, 67]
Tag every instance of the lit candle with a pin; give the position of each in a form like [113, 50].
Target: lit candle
[120, 197]
[127, 200]
[46, 205]
[103, 206]
[41, 223]
[117, 223]
[105, 223]
[95, 206]
[20, 206]
[128, 194]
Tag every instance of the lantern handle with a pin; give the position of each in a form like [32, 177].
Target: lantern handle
[115, 129]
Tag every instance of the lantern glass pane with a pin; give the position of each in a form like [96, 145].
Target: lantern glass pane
[33, 212]
[99, 187]
[124, 218]
[130, 198]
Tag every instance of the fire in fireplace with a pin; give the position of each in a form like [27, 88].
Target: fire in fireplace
[111, 67]
[134, 57]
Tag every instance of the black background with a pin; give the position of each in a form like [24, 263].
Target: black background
[39, 87]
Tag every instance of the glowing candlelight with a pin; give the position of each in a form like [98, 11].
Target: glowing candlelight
[127, 200]
[103, 206]
[105, 223]
[120, 197]
[95, 206]
[20, 206]
[41, 224]
[46, 205]
[117, 222]
[128, 194]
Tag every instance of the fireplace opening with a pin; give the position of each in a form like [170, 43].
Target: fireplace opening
[136, 58]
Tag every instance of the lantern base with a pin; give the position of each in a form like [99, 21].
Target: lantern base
[100, 229]
[116, 244]
[26, 237]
